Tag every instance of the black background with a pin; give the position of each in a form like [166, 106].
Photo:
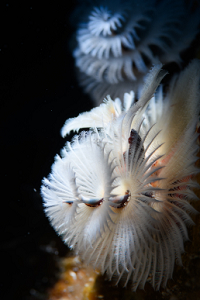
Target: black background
[38, 92]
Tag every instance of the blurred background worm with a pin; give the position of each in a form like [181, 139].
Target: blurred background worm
[117, 42]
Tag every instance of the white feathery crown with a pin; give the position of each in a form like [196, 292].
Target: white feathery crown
[118, 41]
[120, 193]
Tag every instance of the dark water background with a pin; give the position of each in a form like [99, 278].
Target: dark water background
[38, 92]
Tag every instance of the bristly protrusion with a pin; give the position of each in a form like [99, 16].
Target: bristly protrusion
[120, 195]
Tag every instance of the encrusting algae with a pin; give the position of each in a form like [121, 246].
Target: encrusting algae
[76, 281]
